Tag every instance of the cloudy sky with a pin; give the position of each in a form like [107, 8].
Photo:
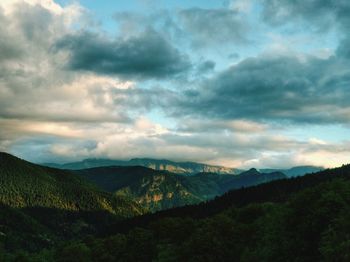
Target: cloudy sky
[240, 83]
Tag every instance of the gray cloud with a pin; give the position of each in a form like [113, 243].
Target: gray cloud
[307, 90]
[146, 56]
[343, 49]
[25, 25]
[320, 13]
[205, 67]
[32, 85]
[233, 56]
[212, 125]
[50, 112]
[214, 26]
[41, 149]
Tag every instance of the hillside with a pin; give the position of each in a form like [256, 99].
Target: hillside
[184, 168]
[157, 190]
[23, 184]
[41, 207]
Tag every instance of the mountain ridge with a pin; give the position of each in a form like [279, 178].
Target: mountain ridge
[184, 168]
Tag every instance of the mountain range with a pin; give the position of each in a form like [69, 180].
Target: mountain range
[184, 168]
[136, 189]
[181, 168]
[124, 191]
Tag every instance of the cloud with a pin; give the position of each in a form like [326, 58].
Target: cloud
[321, 14]
[197, 27]
[214, 26]
[68, 93]
[33, 86]
[273, 88]
[148, 55]
[343, 50]
[212, 125]
[233, 56]
[39, 99]
[205, 67]
[148, 139]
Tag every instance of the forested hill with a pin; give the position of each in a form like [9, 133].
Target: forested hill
[23, 184]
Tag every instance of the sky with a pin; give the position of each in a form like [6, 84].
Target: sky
[241, 83]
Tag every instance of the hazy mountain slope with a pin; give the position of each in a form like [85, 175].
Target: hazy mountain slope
[23, 184]
[158, 190]
[295, 171]
[250, 178]
[186, 168]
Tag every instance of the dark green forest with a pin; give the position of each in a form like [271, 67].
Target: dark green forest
[298, 219]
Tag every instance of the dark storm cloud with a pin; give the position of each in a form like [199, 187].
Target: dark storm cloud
[214, 26]
[274, 89]
[148, 55]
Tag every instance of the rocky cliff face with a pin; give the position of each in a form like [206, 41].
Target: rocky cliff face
[159, 191]
[184, 167]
